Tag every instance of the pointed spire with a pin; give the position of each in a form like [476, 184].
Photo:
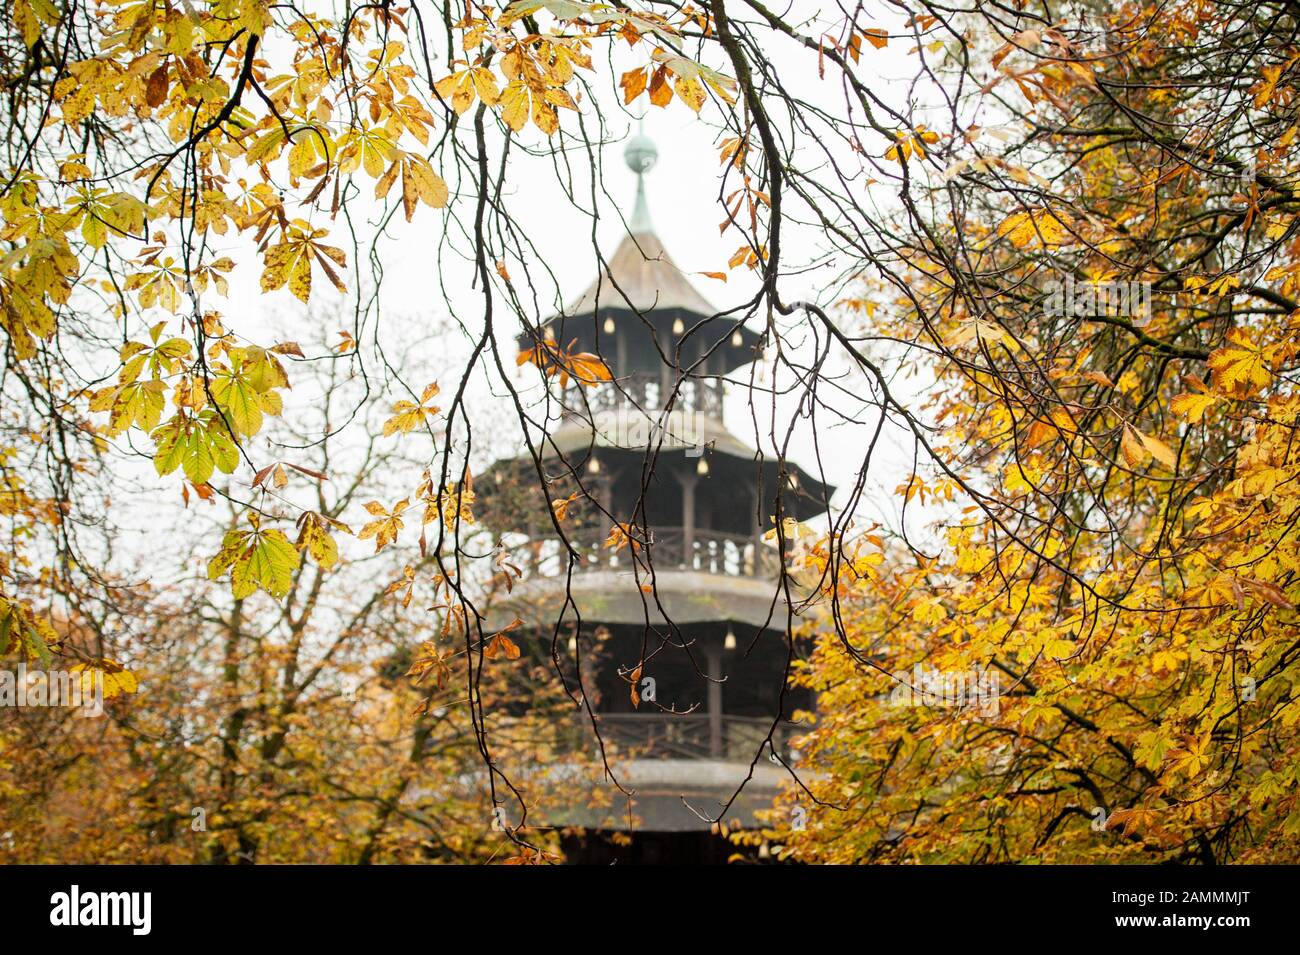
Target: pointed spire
[640, 156]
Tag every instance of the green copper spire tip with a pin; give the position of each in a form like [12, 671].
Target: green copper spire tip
[640, 156]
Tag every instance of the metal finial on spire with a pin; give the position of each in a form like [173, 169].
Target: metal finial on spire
[640, 156]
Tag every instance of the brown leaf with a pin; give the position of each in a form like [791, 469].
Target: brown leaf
[876, 37]
[501, 645]
[633, 83]
[155, 89]
[1270, 593]
[661, 94]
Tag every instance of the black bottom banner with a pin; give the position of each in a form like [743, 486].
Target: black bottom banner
[147, 905]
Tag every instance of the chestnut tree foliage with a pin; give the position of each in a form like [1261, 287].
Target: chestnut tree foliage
[1124, 561]
[1115, 484]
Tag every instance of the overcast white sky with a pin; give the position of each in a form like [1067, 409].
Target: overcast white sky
[682, 189]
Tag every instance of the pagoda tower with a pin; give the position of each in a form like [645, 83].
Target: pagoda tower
[691, 614]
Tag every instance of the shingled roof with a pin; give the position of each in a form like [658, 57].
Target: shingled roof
[639, 277]
[642, 283]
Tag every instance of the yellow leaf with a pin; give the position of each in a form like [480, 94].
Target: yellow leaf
[1133, 447]
[514, 105]
[690, 91]
[1239, 368]
[1160, 451]
[1036, 227]
[116, 678]
[385, 530]
[316, 540]
[408, 417]
[1192, 406]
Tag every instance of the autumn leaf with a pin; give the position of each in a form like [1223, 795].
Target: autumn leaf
[389, 525]
[515, 100]
[1239, 368]
[620, 536]
[314, 538]
[690, 91]
[1160, 451]
[452, 504]
[1040, 227]
[1137, 447]
[241, 402]
[461, 88]
[155, 90]
[521, 102]
[430, 663]
[200, 445]
[560, 507]
[633, 83]
[1268, 592]
[499, 645]
[409, 415]
[661, 93]
[116, 679]
[876, 37]
[1192, 406]
[586, 369]
[419, 184]
[1152, 748]
[256, 558]
[911, 142]
[290, 261]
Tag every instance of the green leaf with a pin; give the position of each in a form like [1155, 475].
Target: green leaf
[240, 402]
[172, 444]
[199, 462]
[258, 558]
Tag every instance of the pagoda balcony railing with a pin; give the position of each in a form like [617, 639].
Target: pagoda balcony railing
[686, 735]
[647, 391]
[668, 548]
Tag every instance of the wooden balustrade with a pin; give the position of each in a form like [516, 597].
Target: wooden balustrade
[685, 736]
[648, 392]
[706, 551]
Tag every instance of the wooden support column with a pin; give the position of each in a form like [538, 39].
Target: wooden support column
[713, 659]
[666, 376]
[687, 480]
[700, 382]
[605, 498]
